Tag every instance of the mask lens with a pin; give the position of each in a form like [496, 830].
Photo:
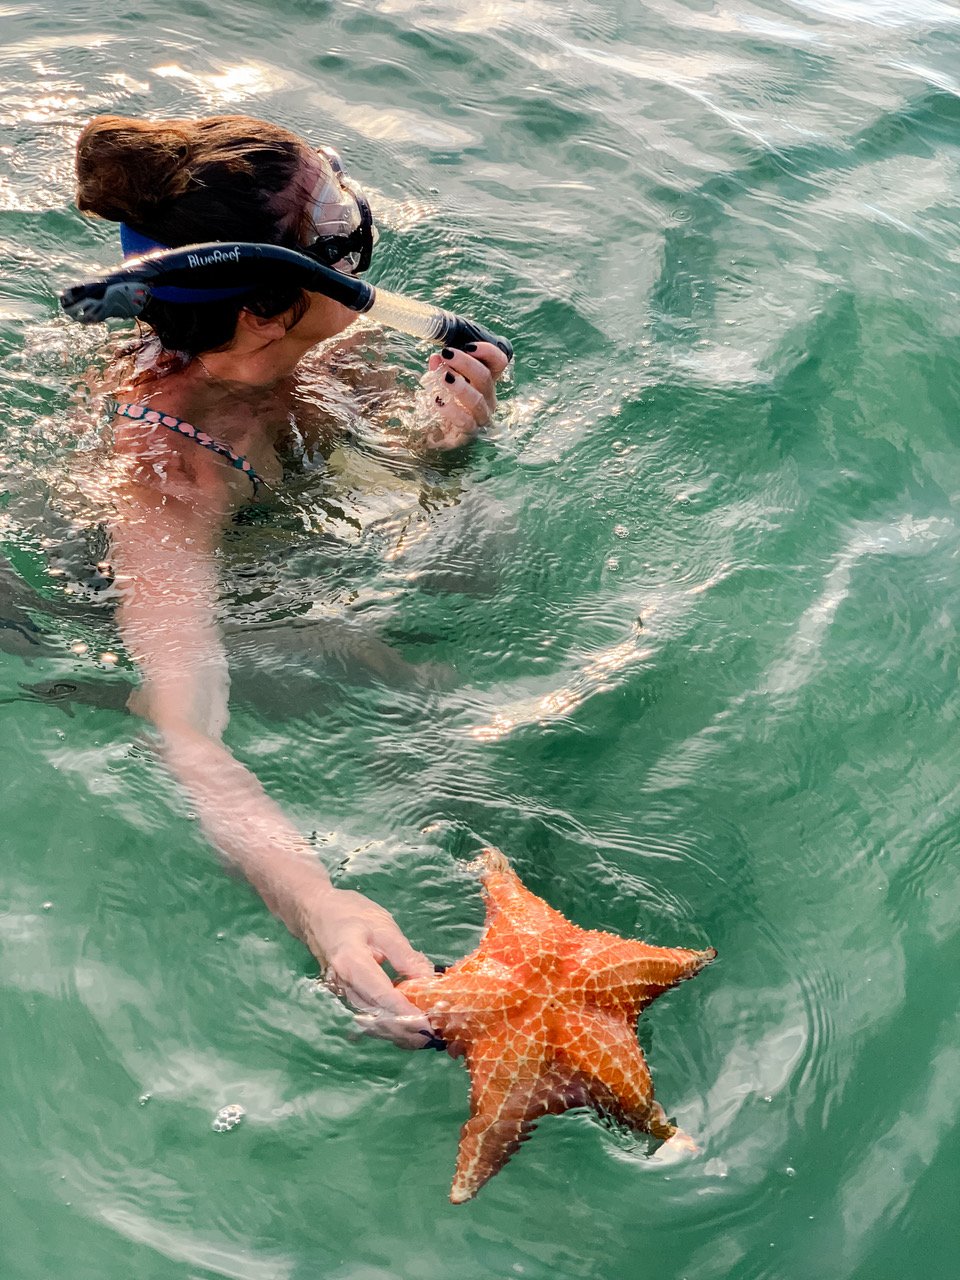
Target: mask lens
[341, 221]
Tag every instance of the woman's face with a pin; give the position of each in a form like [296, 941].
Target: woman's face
[324, 317]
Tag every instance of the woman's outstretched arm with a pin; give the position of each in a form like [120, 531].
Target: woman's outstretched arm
[163, 555]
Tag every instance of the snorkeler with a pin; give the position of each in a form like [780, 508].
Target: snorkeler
[198, 415]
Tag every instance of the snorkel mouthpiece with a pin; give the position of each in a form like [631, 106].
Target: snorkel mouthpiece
[124, 293]
[458, 331]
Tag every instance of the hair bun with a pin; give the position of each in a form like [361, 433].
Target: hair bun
[127, 169]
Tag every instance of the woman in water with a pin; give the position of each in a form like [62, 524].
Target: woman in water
[197, 422]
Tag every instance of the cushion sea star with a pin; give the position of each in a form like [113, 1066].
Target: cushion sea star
[546, 1013]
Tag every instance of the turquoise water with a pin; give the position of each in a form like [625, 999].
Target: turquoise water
[680, 637]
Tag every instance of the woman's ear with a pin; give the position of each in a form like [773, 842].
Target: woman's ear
[263, 328]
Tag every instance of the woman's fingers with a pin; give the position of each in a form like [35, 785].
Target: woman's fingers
[482, 353]
[404, 1032]
[473, 354]
[398, 952]
[457, 391]
[384, 1011]
[460, 366]
[480, 363]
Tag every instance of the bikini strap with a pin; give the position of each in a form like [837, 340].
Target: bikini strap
[143, 413]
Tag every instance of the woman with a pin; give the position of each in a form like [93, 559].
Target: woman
[195, 433]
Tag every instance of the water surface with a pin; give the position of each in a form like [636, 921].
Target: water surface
[680, 636]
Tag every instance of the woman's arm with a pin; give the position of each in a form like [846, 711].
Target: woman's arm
[163, 552]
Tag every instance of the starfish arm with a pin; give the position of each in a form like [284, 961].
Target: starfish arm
[521, 930]
[510, 1088]
[619, 973]
[604, 1049]
[508, 897]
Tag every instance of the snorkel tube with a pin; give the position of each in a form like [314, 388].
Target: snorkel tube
[124, 293]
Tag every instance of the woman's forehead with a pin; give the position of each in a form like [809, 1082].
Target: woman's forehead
[315, 167]
[313, 173]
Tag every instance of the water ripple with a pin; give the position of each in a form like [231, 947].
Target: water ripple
[679, 635]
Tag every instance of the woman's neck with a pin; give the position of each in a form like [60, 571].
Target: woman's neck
[244, 365]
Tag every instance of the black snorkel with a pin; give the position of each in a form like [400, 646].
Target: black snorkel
[124, 293]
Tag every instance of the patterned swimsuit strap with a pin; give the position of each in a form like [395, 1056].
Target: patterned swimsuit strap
[143, 413]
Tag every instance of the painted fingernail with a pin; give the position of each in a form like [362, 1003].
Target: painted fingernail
[439, 968]
[433, 1042]
[470, 346]
[448, 377]
[447, 353]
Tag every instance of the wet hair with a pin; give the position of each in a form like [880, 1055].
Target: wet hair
[188, 181]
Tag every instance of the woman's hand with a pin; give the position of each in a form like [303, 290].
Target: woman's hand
[352, 937]
[458, 394]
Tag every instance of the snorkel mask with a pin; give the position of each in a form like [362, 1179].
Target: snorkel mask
[340, 215]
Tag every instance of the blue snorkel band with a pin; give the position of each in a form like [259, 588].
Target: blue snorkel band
[134, 245]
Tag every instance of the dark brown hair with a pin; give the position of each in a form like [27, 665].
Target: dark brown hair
[188, 181]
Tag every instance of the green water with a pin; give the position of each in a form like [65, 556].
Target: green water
[724, 240]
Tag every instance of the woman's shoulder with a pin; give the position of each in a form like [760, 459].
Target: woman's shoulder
[156, 448]
[210, 455]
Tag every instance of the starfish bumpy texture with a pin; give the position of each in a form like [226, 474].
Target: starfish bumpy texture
[546, 1016]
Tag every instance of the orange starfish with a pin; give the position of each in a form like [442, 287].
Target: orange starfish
[546, 1015]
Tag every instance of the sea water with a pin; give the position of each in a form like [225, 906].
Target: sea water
[679, 635]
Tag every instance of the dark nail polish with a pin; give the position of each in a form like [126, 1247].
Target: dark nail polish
[470, 346]
[439, 968]
[448, 377]
[447, 353]
[433, 1042]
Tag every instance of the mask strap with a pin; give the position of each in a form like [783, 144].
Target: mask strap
[135, 244]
